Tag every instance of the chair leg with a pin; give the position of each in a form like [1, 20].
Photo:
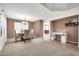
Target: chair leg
[15, 39]
[24, 41]
[30, 40]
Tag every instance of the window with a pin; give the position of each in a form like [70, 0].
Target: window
[20, 26]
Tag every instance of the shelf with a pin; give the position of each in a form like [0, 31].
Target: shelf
[72, 24]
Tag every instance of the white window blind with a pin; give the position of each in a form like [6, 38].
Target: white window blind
[20, 26]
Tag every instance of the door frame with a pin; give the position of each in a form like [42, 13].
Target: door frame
[78, 31]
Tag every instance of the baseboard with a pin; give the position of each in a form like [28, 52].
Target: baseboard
[2, 45]
[72, 42]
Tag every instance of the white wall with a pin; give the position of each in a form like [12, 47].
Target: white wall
[3, 23]
[78, 31]
[46, 26]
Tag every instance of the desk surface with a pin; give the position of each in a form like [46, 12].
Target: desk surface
[59, 33]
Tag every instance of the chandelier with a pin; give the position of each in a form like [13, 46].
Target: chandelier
[24, 21]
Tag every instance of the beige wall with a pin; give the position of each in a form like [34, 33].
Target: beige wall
[10, 27]
[59, 25]
[38, 28]
[30, 25]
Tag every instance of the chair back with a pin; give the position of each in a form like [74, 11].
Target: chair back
[26, 34]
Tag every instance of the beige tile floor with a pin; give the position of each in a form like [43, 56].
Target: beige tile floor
[39, 47]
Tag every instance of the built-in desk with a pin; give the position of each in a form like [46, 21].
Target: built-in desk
[62, 34]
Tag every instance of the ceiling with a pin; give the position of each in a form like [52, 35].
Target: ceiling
[24, 11]
[60, 6]
[34, 11]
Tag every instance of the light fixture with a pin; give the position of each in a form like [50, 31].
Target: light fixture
[24, 21]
